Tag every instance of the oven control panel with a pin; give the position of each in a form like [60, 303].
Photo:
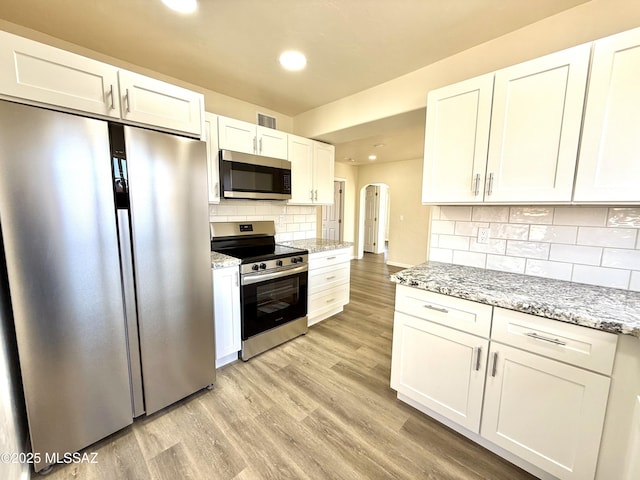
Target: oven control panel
[274, 264]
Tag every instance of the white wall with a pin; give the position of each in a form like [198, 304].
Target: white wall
[593, 245]
[293, 222]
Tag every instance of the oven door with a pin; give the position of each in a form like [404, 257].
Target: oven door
[272, 299]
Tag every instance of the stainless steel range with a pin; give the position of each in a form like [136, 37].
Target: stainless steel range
[273, 279]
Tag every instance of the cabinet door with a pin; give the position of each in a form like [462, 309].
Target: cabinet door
[456, 141]
[43, 74]
[609, 166]
[236, 135]
[213, 170]
[271, 143]
[535, 128]
[440, 368]
[323, 168]
[301, 157]
[226, 312]
[149, 101]
[546, 412]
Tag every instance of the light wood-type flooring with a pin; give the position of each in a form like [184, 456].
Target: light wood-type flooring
[318, 407]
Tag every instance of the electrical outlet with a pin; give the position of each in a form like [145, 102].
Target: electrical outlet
[483, 235]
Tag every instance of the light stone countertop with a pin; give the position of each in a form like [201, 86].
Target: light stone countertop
[315, 245]
[220, 260]
[608, 309]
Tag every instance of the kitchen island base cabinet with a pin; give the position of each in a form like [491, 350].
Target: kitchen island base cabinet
[226, 312]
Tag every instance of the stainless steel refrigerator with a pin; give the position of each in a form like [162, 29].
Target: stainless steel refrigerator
[106, 238]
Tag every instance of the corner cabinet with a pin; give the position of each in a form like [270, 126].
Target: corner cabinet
[312, 170]
[226, 312]
[533, 390]
[213, 169]
[507, 137]
[43, 75]
[609, 164]
[247, 137]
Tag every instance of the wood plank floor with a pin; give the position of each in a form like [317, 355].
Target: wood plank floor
[318, 407]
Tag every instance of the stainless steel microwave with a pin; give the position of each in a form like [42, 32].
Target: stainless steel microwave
[243, 175]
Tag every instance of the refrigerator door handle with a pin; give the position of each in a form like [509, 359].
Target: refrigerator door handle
[130, 317]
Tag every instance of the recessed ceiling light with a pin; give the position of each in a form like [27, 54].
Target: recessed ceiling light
[372, 157]
[292, 60]
[182, 6]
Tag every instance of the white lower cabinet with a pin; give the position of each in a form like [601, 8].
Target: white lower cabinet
[547, 412]
[439, 367]
[535, 391]
[329, 283]
[226, 313]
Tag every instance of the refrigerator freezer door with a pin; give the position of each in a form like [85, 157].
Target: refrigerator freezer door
[59, 231]
[170, 227]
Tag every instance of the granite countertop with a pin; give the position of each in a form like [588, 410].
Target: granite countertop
[315, 245]
[608, 309]
[220, 260]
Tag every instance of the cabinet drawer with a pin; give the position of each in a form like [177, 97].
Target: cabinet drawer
[465, 315]
[573, 344]
[325, 259]
[328, 300]
[328, 277]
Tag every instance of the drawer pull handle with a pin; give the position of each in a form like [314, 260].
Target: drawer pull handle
[437, 309]
[331, 277]
[331, 300]
[494, 369]
[330, 258]
[545, 339]
[478, 355]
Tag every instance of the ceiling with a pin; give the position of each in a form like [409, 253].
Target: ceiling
[232, 46]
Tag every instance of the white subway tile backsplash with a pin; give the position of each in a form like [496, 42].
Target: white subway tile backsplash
[505, 263]
[495, 246]
[547, 269]
[581, 216]
[469, 229]
[605, 277]
[621, 258]
[576, 254]
[471, 259]
[490, 214]
[435, 241]
[634, 283]
[446, 227]
[624, 217]
[455, 213]
[519, 248]
[553, 234]
[454, 242]
[509, 232]
[607, 237]
[537, 215]
[441, 255]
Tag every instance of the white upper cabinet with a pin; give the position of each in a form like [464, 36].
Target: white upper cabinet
[507, 137]
[246, 137]
[152, 102]
[535, 128]
[213, 169]
[609, 165]
[43, 74]
[456, 141]
[312, 169]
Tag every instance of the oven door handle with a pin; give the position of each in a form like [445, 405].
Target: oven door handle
[263, 277]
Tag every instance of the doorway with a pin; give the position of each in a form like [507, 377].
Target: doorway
[374, 219]
[332, 214]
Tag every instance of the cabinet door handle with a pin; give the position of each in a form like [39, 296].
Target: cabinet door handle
[216, 190]
[316, 195]
[260, 145]
[545, 339]
[255, 143]
[127, 100]
[237, 279]
[478, 356]
[490, 184]
[476, 185]
[311, 195]
[437, 309]
[494, 369]
[113, 101]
